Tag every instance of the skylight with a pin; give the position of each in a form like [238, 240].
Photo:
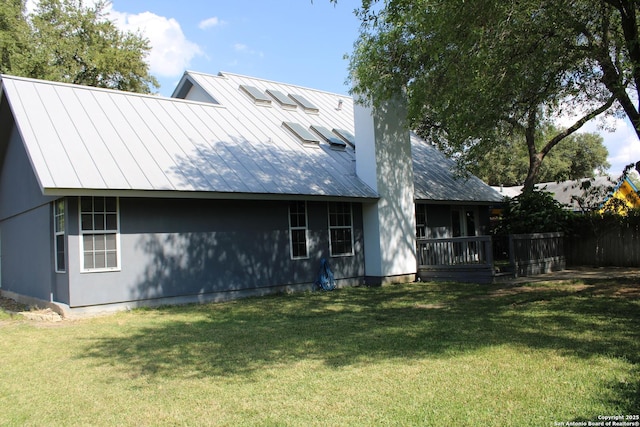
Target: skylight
[329, 136]
[256, 95]
[304, 103]
[302, 133]
[346, 136]
[282, 99]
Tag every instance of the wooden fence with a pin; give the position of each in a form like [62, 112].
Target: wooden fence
[616, 247]
[537, 253]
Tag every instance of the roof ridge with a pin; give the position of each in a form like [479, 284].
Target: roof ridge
[223, 73]
[156, 97]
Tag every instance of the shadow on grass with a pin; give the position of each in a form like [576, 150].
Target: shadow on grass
[364, 325]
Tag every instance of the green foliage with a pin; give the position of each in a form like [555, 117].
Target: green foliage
[577, 156]
[14, 37]
[480, 73]
[64, 40]
[532, 211]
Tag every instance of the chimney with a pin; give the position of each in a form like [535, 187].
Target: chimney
[383, 161]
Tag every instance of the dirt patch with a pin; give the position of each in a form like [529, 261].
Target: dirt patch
[31, 313]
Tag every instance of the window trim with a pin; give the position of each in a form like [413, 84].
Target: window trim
[57, 233]
[305, 228]
[116, 232]
[341, 227]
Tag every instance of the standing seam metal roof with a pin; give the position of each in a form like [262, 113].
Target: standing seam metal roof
[79, 138]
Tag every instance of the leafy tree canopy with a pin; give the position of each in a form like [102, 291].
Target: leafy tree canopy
[580, 155]
[479, 73]
[63, 40]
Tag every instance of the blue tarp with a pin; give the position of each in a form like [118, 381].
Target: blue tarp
[325, 277]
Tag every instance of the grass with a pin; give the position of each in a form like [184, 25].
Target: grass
[415, 354]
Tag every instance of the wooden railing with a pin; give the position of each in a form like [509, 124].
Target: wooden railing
[455, 251]
[482, 258]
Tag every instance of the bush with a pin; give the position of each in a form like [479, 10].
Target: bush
[533, 211]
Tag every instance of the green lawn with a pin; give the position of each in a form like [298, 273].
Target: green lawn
[415, 354]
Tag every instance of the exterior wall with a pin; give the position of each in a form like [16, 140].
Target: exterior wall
[176, 248]
[25, 225]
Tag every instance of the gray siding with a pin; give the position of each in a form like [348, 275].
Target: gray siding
[25, 225]
[179, 248]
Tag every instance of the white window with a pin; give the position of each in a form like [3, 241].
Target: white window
[340, 229]
[99, 228]
[298, 230]
[59, 236]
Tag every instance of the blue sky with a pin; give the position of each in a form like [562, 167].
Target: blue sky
[292, 41]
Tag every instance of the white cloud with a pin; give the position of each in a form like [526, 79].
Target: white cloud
[214, 21]
[240, 47]
[171, 52]
[622, 143]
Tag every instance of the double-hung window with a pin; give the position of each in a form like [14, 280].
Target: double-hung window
[99, 227]
[340, 229]
[298, 230]
[58, 235]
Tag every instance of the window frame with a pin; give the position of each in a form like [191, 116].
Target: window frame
[304, 228]
[59, 232]
[340, 227]
[98, 232]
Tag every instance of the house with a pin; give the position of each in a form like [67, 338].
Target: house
[234, 186]
[601, 192]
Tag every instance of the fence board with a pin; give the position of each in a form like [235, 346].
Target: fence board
[616, 247]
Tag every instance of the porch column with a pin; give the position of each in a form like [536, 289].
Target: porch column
[383, 161]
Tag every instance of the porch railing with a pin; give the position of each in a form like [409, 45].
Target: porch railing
[454, 251]
[482, 258]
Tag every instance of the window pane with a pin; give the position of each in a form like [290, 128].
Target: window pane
[86, 204]
[110, 240]
[112, 259]
[98, 221]
[112, 222]
[99, 242]
[299, 243]
[87, 242]
[100, 261]
[98, 204]
[111, 204]
[88, 260]
[87, 222]
[60, 253]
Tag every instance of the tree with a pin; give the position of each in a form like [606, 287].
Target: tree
[479, 73]
[63, 40]
[14, 34]
[580, 155]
